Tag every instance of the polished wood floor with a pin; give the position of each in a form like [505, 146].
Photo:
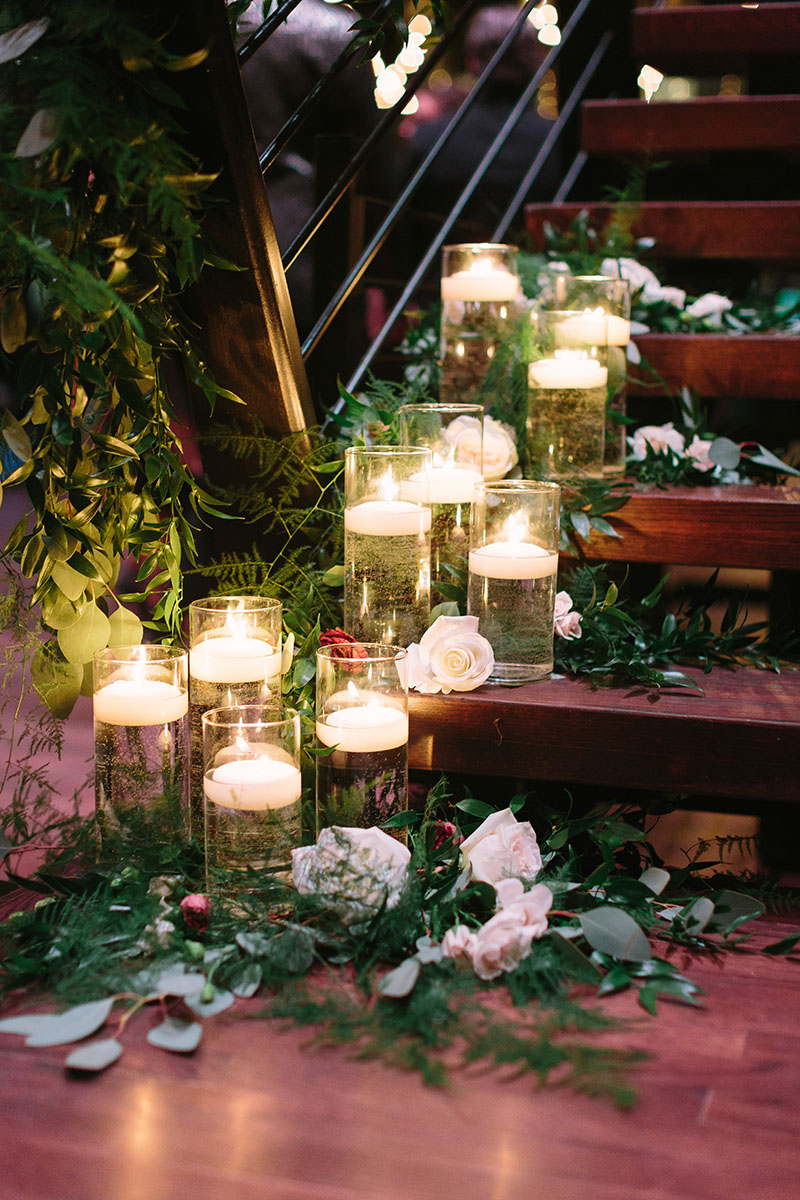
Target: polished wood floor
[254, 1115]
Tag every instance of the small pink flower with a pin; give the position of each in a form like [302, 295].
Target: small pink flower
[567, 624]
[445, 830]
[458, 944]
[196, 908]
[698, 450]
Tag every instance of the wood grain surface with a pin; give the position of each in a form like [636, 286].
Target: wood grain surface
[751, 365]
[724, 526]
[680, 127]
[255, 1116]
[740, 739]
[737, 229]
[690, 31]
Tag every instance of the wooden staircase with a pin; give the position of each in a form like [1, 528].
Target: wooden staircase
[742, 739]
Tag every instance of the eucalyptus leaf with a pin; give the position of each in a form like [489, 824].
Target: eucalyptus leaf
[400, 982]
[57, 683]
[125, 628]
[655, 878]
[180, 1037]
[334, 576]
[725, 453]
[25, 1024]
[175, 982]
[765, 458]
[72, 1025]
[248, 981]
[613, 931]
[15, 436]
[14, 43]
[253, 943]
[94, 1057]
[58, 612]
[38, 133]
[732, 909]
[695, 916]
[90, 632]
[210, 1008]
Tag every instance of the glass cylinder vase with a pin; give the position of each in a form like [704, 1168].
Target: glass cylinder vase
[454, 434]
[567, 382]
[362, 717]
[140, 703]
[387, 543]
[234, 658]
[481, 304]
[513, 569]
[252, 788]
[612, 297]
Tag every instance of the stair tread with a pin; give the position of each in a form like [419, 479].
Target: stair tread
[741, 738]
[719, 526]
[751, 365]
[737, 229]
[680, 127]
[692, 31]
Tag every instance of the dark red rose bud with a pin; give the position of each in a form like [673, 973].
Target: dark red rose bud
[343, 645]
[445, 830]
[196, 908]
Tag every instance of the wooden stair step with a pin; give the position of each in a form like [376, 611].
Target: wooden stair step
[734, 526]
[740, 739]
[743, 229]
[680, 127]
[749, 365]
[689, 32]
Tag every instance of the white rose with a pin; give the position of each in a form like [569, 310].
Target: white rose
[567, 624]
[458, 943]
[356, 871]
[500, 945]
[628, 268]
[710, 305]
[529, 908]
[501, 848]
[698, 450]
[499, 445]
[659, 437]
[451, 656]
[653, 293]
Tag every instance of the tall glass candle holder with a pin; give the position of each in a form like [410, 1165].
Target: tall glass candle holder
[387, 543]
[234, 658]
[513, 568]
[481, 303]
[602, 294]
[567, 395]
[362, 712]
[454, 433]
[252, 788]
[140, 701]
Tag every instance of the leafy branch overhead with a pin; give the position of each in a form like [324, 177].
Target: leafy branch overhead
[100, 230]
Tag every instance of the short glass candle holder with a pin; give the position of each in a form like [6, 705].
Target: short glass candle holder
[481, 304]
[604, 295]
[234, 658]
[140, 701]
[387, 543]
[454, 433]
[362, 717]
[513, 569]
[252, 788]
[567, 381]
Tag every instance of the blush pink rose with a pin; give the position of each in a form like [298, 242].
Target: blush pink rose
[502, 847]
[500, 945]
[458, 944]
[566, 623]
[660, 438]
[698, 450]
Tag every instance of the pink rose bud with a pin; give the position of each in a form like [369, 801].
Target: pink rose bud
[196, 908]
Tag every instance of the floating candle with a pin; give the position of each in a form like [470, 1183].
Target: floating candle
[483, 281]
[512, 560]
[253, 784]
[387, 518]
[593, 328]
[443, 485]
[364, 728]
[140, 702]
[567, 371]
[234, 658]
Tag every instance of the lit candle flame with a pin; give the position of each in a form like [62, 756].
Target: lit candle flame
[235, 619]
[516, 528]
[388, 487]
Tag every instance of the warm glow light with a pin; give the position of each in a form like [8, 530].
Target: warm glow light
[515, 529]
[649, 81]
[378, 65]
[410, 58]
[420, 24]
[549, 14]
[411, 107]
[550, 35]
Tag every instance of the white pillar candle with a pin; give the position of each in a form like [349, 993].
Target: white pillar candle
[233, 658]
[567, 372]
[139, 702]
[593, 328]
[254, 784]
[387, 518]
[618, 331]
[483, 281]
[512, 560]
[364, 728]
[443, 485]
